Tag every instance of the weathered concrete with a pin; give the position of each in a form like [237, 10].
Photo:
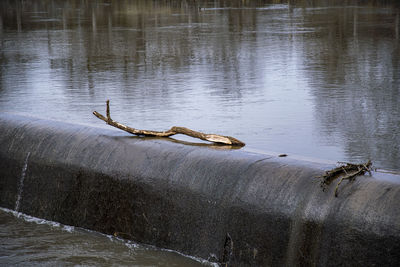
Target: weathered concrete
[245, 208]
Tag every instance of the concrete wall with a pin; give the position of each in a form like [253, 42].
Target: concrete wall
[227, 205]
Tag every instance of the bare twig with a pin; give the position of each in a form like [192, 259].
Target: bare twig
[174, 130]
[346, 172]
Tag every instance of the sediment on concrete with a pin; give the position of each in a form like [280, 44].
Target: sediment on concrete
[242, 208]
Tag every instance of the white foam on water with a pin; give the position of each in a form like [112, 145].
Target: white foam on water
[21, 182]
[128, 243]
[131, 245]
[32, 219]
[68, 228]
[198, 259]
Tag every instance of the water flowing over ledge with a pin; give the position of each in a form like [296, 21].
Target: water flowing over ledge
[228, 206]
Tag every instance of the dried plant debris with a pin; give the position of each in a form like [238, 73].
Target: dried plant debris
[347, 171]
[216, 138]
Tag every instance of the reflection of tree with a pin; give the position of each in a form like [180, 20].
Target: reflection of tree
[153, 50]
[138, 48]
[356, 81]
[133, 36]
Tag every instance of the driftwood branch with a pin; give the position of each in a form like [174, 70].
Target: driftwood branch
[228, 140]
[346, 172]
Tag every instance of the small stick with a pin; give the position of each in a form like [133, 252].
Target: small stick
[108, 112]
[228, 140]
[348, 176]
[349, 171]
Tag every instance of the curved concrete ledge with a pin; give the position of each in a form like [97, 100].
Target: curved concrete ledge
[230, 206]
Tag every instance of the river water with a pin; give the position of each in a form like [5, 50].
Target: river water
[312, 78]
[30, 241]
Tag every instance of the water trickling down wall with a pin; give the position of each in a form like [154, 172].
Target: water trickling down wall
[21, 183]
[229, 206]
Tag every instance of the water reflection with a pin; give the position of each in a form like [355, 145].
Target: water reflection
[314, 78]
[357, 88]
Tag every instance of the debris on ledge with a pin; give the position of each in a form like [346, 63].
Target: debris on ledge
[349, 171]
[220, 139]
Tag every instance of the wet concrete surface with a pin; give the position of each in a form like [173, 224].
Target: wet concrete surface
[231, 206]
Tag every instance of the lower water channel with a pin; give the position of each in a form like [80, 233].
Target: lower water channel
[314, 79]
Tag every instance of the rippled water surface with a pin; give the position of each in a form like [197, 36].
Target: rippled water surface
[317, 80]
[311, 78]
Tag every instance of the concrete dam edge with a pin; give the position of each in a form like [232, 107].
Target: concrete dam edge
[227, 206]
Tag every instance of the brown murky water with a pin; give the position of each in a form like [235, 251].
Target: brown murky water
[311, 78]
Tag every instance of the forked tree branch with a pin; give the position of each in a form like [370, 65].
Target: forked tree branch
[221, 139]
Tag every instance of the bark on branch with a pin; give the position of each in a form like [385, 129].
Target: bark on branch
[221, 139]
